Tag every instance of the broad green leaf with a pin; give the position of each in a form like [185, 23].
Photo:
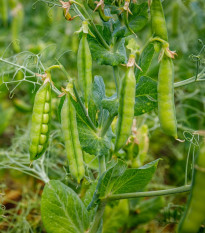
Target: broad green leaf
[92, 111]
[98, 91]
[146, 211]
[105, 32]
[91, 142]
[62, 210]
[119, 30]
[118, 179]
[80, 114]
[104, 56]
[145, 60]
[115, 217]
[146, 95]
[139, 17]
[91, 161]
[111, 104]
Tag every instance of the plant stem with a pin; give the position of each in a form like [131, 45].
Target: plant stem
[187, 165]
[107, 125]
[98, 217]
[103, 42]
[201, 78]
[102, 165]
[181, 189]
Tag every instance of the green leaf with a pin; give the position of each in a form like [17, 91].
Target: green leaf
[105, 32]
[91, 161]
[62, 210]
[139, 17]
[145, 60]
[111, 104]
[92, 111]
[146, 95]
[97, 94]
[116, 217]
[119, 30]
[104, 56]
[98, 91]
[118, 179]
[60, 107]
[91, 142]
[80, 114]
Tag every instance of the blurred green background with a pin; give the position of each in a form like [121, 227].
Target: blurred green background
[35, 35]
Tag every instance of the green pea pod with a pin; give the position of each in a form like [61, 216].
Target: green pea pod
[194, 215]
[165, 89]
[72, 143]
[40, 121]
[126, 108]
[4, 12]
[84, 63]
[16, 27]
[158, 22]
[175, 19]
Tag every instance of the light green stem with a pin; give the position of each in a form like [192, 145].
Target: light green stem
[201, 78]
[98, 218]
[181, 189]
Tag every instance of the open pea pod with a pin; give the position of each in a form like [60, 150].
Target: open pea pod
[40, 121]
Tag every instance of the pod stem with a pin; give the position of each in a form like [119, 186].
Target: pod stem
[103, 42]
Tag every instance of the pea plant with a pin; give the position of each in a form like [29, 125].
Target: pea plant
[105, 150]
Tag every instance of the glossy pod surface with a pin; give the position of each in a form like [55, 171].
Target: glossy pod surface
[40, 121]
[84, 63]
[194, 215]
[71, 137]
[165, 89]
[126, 108]
[159, 28]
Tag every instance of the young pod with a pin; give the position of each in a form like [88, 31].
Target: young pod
[158, 22]
[71, 138]
[126, 108]
[194, 215]
[165, 89]
[4, 12]
[84, 64]
[40, 121]
[17, 25]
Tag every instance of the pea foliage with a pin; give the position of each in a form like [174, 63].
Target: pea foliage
[90, 143]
